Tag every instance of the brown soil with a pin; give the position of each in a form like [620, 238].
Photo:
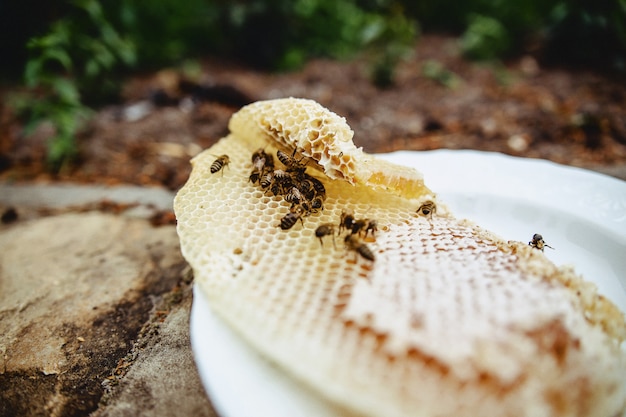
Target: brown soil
[568, 116]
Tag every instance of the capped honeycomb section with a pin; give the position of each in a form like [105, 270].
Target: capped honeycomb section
[301, 124]
[324, 138]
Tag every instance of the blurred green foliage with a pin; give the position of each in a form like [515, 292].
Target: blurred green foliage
[268, 34]
[72, 53]
[72, 60]
[589, 33]
[282, 34]
[485, 38]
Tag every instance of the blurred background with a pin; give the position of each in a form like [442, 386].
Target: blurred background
[407, 75]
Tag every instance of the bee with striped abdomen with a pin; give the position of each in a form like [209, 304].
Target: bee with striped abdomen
[282, 182]
[219, 163]
[290, 162]
[317, 186]
[326, 229]
[261, 163]
[294, 196]
[295, 213]
[266, 180]
[354, 243]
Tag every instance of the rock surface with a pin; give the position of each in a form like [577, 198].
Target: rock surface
[94, 308]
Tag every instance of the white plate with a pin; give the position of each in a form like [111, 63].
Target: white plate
[580, 213]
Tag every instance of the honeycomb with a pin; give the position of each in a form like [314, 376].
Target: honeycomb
[447, 320]
[326, 140]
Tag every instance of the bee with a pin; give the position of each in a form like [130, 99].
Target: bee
[358, 226]
[294, 196]
[357, 245]
[364, 225]
[317, 187]
[267, 179]
[281, 174]
[291, 162]
[295, 213]
[372, 226]
[538, 243]
[346, 220]
[259, 154]
[306, 207]
[306, 187]
[427, 209]
[317, 203]
[261, 162]
[282, 182]
[220, 163]
[326, 229]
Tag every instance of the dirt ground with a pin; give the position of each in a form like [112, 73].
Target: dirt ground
[439, 100]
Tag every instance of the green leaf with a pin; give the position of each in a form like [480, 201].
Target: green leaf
[485, 38]
[92, 7]
[373, 29]
[59, 55]
[66, 90]
[32, 73]
[127, 53]
[92, 68]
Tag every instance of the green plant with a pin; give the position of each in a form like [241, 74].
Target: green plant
[283, 34]
[166, 32]
[486, 38]
[73, 60]
[582, 32]
[389, 39]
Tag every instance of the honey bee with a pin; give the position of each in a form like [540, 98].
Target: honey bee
[261, 163]
[267, 179]
[427, 209]
[364, 225]
[306, 187]
[219, 163]
[295, 213]
[259, 154]
[538, 243]
[306, 207]
[326, 229]
[357, 245]
[346, 220]
[294, 196]
[282, 183]
[372, 226]
[281, 174]
[291, 162]
[317, 203]
[317, 186]
[358, 226]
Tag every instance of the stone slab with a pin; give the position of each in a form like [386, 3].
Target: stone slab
[94, 311]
